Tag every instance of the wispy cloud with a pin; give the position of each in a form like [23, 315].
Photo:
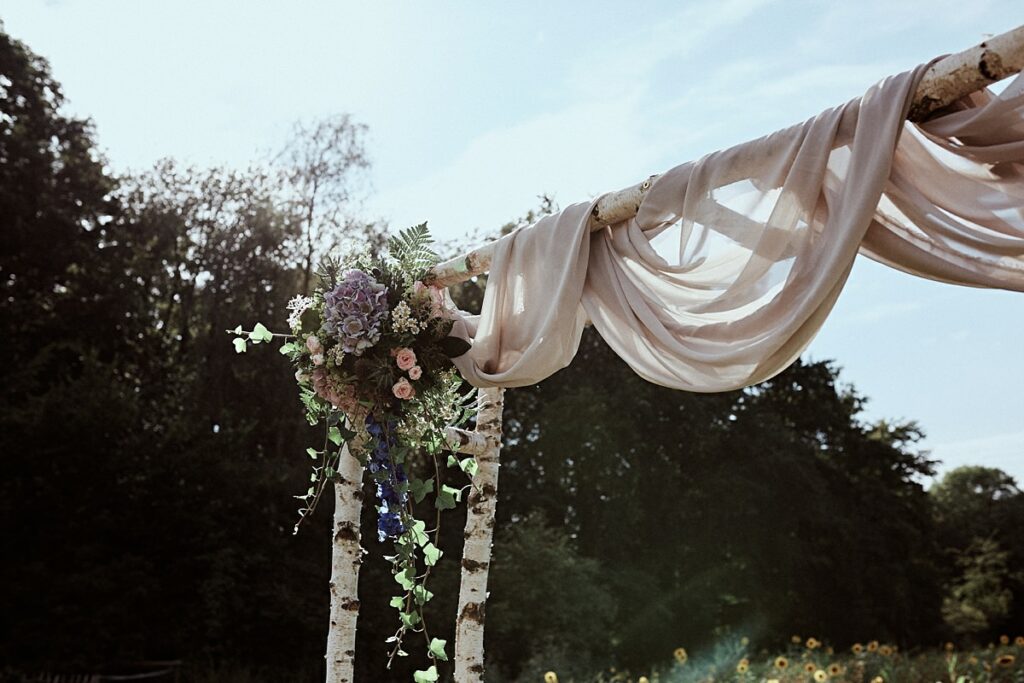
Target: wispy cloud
[880, 312]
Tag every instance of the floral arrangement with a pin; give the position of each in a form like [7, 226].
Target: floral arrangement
[372, 353]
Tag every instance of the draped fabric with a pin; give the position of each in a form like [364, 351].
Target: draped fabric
[733, 261]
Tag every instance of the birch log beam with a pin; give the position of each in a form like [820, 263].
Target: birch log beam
[948, 80]
[476, 554]
[345, 561]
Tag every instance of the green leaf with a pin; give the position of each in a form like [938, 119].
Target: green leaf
[398, 602]
[436, 648]
[260, 334]
[428, 676]
[409, 619]
[456, 493]
[420, 488]
[469, 466]
[445, 499]
[288, 348]
[431, 554]
[421, 595]
[237, 330]
[313, 453]
[452, 461]
[239, 345]
[406, 578]
[417, 532]
[334, 435]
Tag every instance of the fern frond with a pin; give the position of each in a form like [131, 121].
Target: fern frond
[411, 248]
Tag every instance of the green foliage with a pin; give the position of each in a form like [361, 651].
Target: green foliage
[411, 249]
[979, 599]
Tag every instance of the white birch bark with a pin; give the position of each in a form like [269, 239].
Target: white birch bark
[945, 82]
[345, 561]
[476, 554]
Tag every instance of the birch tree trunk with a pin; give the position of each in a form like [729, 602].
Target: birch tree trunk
[476, 554]
[346, 558]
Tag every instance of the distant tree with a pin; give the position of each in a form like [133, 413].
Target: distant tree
[323, 165]
[979, 600]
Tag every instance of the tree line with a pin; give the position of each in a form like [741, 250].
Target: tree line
[147, 496]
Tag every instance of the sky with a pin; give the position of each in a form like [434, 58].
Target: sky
[475, 109]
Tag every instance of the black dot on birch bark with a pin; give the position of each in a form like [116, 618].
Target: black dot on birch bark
[473, 611]
[476, 669]
[989, 72]
[474, 566]
[350, 605]
[347, 531]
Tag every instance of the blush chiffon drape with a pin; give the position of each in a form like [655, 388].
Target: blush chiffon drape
[733, 261]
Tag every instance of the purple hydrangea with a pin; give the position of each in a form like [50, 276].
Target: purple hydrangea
[355, 311]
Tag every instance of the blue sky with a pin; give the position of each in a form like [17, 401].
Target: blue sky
[476, 108]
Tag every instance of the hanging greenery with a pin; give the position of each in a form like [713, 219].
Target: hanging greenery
[372, 353]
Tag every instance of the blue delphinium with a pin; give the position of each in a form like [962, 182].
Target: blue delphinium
[390, 498]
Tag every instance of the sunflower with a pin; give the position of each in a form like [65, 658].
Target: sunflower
[642, 679]
[809, 667]
[1006, 660]
[872, 646]
[743, 666]
[781, 663]
[877, 679]
[834, 669]
[820, 676]
[857, 648]
[680, 655]
[813, 643]
[1019, 641]
[1004, 640]
[885, 650]
[551, 677]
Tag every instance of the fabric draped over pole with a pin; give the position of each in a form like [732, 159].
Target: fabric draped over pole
[734, 261]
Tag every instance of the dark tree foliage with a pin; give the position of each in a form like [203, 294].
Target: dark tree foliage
[146, 509]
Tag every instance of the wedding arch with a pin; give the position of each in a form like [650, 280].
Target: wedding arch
[712, 276]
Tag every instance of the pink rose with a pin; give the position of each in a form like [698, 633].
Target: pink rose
[415, 372]
[403, 389]
[435, 295]
[314, 345]
[405, 358]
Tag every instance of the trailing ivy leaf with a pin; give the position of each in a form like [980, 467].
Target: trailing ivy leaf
[469, 466]
[437, 648]
[406, 579]
[452, 461]
[313, 453]
[239, 345]
[260, 334]
[417, 532]
[409, 619]
[456, 493]
[420, 488]
[237, 330]
[428, 676]
[445, 498]
[454, 347]
[334, 436]
[421, 595]
[398, 602]
[431, 554]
